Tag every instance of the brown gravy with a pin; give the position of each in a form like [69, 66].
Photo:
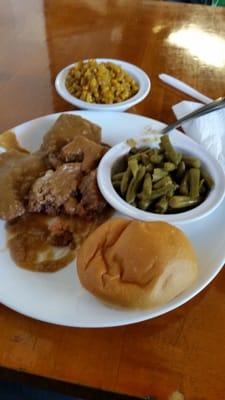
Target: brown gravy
[29, 246]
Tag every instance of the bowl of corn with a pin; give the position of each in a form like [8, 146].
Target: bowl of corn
[102, 84]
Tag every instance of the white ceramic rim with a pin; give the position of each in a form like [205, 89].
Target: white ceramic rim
[140, 76]
[212, 201]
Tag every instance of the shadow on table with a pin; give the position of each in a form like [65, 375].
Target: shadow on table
[19, 391]
[18, 385]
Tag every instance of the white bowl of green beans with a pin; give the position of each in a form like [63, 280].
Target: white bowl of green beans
[162, 179]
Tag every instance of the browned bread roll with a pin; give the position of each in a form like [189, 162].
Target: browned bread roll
[136, 264]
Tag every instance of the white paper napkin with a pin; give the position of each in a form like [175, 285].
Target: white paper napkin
[208, 130]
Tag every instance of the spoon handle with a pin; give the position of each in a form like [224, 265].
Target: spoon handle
[213, 106]
[183, 87]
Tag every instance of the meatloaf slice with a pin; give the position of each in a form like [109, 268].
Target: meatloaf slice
[52, 191]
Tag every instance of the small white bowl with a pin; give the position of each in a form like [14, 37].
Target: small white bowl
[209, 164]
[138, 74]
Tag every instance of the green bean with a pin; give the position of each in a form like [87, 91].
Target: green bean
[149, 167]
[162, 205]
[208, 180]
[194, 180]
[134, 150]
[118, 176]
[184, 189]
[133, 165]
[132, 143]
[162, 182]
[179, 158]
[136, 156]
[147, 185]
[180, 170]
[125, 181]
[171, 153]
[156, 158]
[177, 202]
[143, 149]
[144, 204]
[158, 173]
[132, 188]
[169, 166]
[153, 151]
[145, 159]
[171, 192]
[192, 162]
[147, 188]
[160, 192]
[149, 152]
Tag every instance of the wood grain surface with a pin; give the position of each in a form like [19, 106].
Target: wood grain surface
[184, 349]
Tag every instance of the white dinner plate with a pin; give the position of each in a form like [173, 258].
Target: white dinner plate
[58, 297]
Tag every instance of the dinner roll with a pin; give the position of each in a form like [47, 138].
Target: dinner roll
[136, 264]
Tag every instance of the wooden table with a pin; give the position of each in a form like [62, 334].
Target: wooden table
[184, 349]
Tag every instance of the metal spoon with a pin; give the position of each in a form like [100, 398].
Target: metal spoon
[208, 108]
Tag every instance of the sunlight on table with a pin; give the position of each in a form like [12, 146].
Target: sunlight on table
[208, 47]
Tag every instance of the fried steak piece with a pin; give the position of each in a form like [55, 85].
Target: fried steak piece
[18, 171]
[65, 129]
[51, 193]
[84, 150]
